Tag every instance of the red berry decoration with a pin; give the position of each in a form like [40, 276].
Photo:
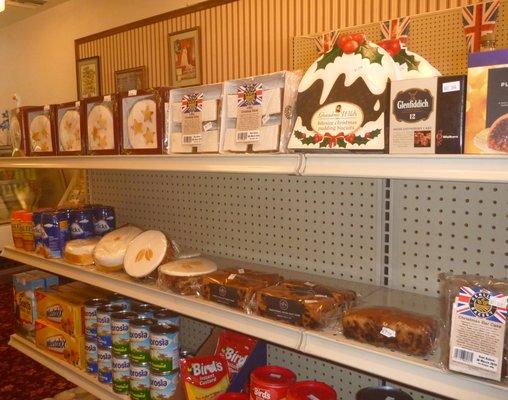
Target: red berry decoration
[317, 138]
[368, 135]
[343, 39]
[350, 47]
[350, 138]
[394, 47]
[359, 37]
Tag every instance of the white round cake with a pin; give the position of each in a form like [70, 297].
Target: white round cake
[69, 131]
[145, 253]
[110, 251]
[80, 251]
[101, 135]
[40, 134]
[188, 267]
[142, 125]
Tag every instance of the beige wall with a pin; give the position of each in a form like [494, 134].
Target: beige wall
[37, 54]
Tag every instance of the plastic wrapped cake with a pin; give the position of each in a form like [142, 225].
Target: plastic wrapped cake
[343, 98]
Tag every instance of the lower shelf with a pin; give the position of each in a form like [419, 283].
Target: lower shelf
[411, 371]
[69, 372]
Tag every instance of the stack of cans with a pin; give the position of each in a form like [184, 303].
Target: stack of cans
[133, 346]
[53, 228]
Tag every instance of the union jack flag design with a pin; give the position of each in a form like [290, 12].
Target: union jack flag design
[479, 19]
[192, 103]
[475, 302]
[397, 28]
[250, 94]
[324, 43]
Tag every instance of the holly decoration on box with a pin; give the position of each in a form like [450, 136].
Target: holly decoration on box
[399, 54]
[338, 140]
[351, 44]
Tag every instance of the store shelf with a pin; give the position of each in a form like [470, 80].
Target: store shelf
[120, 282]
[255, 164]
[482, 168]
[416, 372]
[69, 372]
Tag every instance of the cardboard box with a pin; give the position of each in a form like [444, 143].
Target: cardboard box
[60, 344]
[62, 310]
[427, 115]
[100, 124]
[39, 130]
[487, 104]
[70, 137]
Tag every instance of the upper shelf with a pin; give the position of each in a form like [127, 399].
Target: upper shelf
[483, 168]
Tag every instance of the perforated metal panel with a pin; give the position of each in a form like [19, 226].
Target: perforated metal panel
[447, 227]
[327, 226]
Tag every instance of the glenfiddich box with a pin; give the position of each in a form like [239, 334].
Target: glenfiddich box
[427, 115]
[487, 103]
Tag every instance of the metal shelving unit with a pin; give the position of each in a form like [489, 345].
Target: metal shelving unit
[421, 373]
[484, 168]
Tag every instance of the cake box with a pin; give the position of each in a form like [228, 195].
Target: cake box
[194, 120]
[70, 138]
[38, 128]
[141, 115]
[343, 98]
[427, 115]
[17, 138]
[487, 103]
[100, 124]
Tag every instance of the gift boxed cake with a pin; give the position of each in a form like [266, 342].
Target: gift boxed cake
[100, 124]
[141, 121]
[257, 112]
[38, 130]
[343, 98]
[427, 115]
[487, 105]
[17, 138]
[69, 130]
[194, 122]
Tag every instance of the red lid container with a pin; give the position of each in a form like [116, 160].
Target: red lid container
[233, 396]
[311, 390]
[270, 382]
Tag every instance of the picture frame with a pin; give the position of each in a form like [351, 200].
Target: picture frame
[130, 79]
[185, 62]
[88, 77]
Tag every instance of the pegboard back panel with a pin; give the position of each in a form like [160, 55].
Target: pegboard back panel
[326, 226]
[437, 36]
[452, 227]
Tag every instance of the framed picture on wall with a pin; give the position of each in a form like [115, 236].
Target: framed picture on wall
[88, 73]
[185, 58]
[131, 78]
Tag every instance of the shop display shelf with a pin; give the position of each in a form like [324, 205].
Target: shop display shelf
[419, 373]
[481, 168]
[69, 372]
[251, 163]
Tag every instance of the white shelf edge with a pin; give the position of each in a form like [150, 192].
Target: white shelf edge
[403, 369]
[486, 168]
[272, 331]
[251, 163]
[393, 366]
[75, 375]
[475, 168]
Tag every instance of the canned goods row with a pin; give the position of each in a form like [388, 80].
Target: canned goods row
[136, 379]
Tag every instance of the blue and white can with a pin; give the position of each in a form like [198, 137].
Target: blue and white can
[91, 306]
[140, 381]
[139, 339]
[167, 317]
[163, 384]
[104, 220]
[164, 348]
[120, 334]
[104, 365]
[144, 310]
[91, 355]
[118, 299]
[81, 224]
[104, 324]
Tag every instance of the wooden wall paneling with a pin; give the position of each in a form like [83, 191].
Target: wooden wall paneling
[241, 38]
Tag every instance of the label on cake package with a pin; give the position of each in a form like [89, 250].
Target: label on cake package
[132, 92]
[194, 139]
[290, 311]
[451, 87]
[249, 113]
[107, 98]
[389, 333]
[207, 126]
[340, 117]
[228, 296]
[192, 117]
[478, 328]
